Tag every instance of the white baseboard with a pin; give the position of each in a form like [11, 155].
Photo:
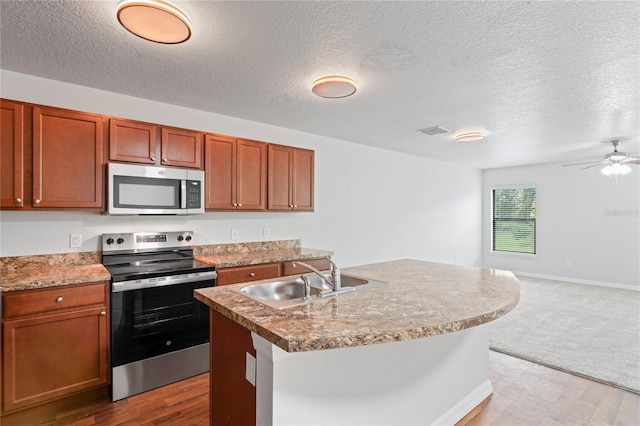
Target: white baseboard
[579, 281]
[468, 403]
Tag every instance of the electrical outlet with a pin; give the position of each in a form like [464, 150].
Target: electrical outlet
[75, 240]
[568, 263]
[266, 232]
[250, 369]
[235, 234]
[455, 260]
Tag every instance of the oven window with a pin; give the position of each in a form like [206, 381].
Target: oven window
[153, 321]
[140, 192]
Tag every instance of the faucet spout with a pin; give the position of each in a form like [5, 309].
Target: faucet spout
[334, 282]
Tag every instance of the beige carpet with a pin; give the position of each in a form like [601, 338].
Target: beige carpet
[586, 330]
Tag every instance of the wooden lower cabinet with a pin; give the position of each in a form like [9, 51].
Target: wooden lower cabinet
[232, 397]
[242, 274]
[49, 354]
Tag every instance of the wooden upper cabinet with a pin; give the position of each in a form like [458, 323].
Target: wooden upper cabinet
[146, 143]
[181, 148]
[11, 154]
[236, 173]
[68, 158]
[132, 141]
[291, 178]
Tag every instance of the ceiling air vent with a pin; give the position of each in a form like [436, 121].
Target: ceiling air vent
[434, 130]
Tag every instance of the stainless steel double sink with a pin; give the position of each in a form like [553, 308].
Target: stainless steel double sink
[287, 292]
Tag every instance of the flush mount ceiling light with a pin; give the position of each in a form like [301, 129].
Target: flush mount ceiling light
[470, 137]
[154, 20]
[334, 86]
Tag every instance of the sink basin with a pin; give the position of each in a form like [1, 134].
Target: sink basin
[278, 290]
[286, 292]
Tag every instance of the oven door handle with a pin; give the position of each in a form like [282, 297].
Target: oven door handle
[164, 281]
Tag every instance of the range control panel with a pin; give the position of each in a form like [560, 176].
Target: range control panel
[146, 240]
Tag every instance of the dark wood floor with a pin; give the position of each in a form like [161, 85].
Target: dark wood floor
[524, 394]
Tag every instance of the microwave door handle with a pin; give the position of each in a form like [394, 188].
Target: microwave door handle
[183, 194]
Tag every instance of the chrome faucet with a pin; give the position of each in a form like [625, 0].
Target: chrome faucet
[334, 281]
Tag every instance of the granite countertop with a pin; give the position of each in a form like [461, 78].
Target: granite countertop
[42, 276]
[42, 271]
[226, 260]
[423, 299]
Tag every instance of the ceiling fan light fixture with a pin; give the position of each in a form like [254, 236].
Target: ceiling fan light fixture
[470, 137]
[154, 20]
[334, 86]
[615, 169]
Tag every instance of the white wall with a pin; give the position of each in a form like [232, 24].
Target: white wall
[582, 217]
[371, 204]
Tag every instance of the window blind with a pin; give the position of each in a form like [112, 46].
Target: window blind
[514, 220]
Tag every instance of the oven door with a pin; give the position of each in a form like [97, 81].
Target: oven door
[153, 321]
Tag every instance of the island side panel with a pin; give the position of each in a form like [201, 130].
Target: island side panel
[232, 397]
[432, 380]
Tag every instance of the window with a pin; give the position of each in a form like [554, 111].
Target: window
[514, 220]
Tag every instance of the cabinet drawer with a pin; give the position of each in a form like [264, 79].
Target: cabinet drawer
[320, 264]
[248, 273]
[30, 302]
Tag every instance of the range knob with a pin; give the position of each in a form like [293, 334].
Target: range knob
[109, 241]
[188, 237]
[120, 240]
[180, 238]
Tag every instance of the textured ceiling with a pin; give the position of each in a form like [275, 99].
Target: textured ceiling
[547, 81]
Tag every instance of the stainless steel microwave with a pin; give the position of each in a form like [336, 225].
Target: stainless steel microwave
[140, 189]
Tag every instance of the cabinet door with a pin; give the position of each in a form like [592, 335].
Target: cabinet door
[182, 148]
[132, 141]
[11, 154]
[302, 181]
[251, 183]
[220, 173]
[280, 174]
[52, 356]
[67, 158]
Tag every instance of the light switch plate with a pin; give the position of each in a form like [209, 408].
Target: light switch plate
[266, 232]
[235, 233]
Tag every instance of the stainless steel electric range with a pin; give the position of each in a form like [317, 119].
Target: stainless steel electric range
[159, 331]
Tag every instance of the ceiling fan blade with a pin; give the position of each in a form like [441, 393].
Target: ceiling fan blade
[588, 167]
[633, 160]
[582, 164]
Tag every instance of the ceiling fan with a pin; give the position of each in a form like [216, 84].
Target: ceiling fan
[615, 163]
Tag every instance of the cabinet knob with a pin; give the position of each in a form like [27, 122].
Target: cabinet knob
[18, 200]
[295, 206]
[164, 160]
[59, 299]
[235, 205]
[239, 204]
[152, 158]
[36, 201]
[252, 274]
[103, 313]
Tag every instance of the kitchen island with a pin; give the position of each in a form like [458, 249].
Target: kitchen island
[412, 352]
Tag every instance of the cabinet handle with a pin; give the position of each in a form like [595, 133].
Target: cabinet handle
[252, 274]
[36, 201]
[18, 200]
[59, 299]
[103, 313]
